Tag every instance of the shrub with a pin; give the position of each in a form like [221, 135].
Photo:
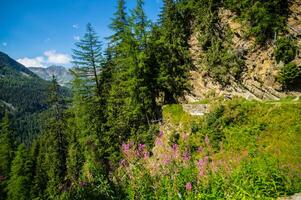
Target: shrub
[264, 17]
[290, 76]
[223, 63]
[285, 50]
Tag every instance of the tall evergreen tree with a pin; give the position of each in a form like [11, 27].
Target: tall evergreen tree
[120, 28]
[173, 53]
[87, 159]
[20, 178]
[143, 73]
[119, 95]
[39, 172]
[55, 155]
[6, 153]
[87, 58]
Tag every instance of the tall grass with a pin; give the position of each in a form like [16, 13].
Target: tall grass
[241, 150]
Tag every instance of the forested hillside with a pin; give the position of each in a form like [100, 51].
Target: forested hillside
[123, 133]
[23, 95]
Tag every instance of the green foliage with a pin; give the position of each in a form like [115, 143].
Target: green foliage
[253, 162]
[221, 62]
[20, 178]
[23, 94]
[6, 147]
[290, 76]
[232, 153]
[265, 18]
[87, 60]
[172, 53]
[285, 50]
[6, 153]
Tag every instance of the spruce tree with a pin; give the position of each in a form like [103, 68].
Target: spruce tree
[120, 28]
[6, 153]
[39, 172]
[143, 93]
[20, 178]
[173, 53]
[55, 156]
[118, 120]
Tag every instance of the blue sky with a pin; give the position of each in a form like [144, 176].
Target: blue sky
[43, 32]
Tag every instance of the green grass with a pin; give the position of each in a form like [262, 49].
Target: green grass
[253, 152]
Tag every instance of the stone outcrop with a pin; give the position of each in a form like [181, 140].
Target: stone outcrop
[259, 79]
[196, 109]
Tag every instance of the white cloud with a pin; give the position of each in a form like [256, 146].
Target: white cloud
[77, 38]
[32, 62]
[4, 44]
[50, 57]
[76, 26]
[57, 58]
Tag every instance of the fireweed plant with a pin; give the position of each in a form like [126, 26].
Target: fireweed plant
[183, 170]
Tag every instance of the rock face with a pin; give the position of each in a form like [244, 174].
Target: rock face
[62, 75]
[259, 77]
[196, 109]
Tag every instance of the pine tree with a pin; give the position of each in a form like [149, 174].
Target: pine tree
[143, 73]
[6, 153]
[118, 120]
[39, 173]
[55, 156]
[20, 178]
[173, 53]
[120, 28]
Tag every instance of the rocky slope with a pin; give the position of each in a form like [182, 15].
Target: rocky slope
[62, 75]
[259, 77]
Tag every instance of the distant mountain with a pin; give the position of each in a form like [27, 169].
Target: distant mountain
[62, 75]
[23, 94]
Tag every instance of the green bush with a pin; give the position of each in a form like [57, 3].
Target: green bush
[285, 50]
[264, 17]
[290, 76]
[223, 63]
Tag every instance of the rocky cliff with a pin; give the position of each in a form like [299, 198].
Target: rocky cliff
[259, 77]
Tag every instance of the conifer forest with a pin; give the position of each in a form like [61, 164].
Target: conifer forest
[204, 103]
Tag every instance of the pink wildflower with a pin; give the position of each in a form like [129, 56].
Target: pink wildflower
[126, 147]
[146, 155]
[158, 141]
[166, 159]
[186, 156]
[200, 149]
[141, 147]
[175, 147]
[201, 164]
[161, 133]
[123, 162]
[188, 186]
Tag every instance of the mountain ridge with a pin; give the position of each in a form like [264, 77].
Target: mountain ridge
[61, 73]
[23, 94]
